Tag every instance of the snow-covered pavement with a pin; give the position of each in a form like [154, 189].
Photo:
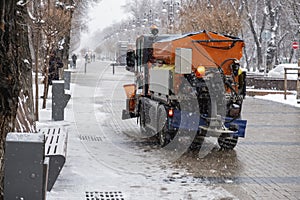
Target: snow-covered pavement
[101, 160]
[106, 157]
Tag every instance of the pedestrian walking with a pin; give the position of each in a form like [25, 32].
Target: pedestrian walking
[74, 58]
[87, 58]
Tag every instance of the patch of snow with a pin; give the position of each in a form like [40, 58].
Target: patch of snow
[20, 3]
[290, 99]
[26, 61]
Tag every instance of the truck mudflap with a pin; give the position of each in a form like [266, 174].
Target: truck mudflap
[188, 121]
[127, 115]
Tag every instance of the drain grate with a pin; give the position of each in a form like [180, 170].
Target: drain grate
[104, 196]
[90, 138]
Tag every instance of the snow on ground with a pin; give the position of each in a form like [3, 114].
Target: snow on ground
[91, 167]
[134, 185]
[291, 99]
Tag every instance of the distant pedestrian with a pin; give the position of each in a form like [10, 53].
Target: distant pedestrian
[74, 58]
[87, 58]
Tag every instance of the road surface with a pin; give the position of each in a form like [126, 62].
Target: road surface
[108, 159]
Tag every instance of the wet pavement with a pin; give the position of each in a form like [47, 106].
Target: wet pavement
[107, 154]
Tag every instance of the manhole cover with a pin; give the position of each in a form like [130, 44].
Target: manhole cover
[90, 138]
[104, 196]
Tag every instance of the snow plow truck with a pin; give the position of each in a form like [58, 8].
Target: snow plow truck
[187, 85]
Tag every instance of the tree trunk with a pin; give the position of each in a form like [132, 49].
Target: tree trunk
[13, 62]
[66, 53]
[25, 108]
[272, 47]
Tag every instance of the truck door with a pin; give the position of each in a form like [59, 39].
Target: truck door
[142, 71]
[139, 67]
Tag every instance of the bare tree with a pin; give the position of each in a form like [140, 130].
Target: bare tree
[137, 8]
[292, 27]
[254, 12]
[215, 16]
[55, 27]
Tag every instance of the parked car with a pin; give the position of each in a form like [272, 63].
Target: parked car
[278, 71]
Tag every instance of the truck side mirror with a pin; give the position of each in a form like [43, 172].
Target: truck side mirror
[130, 60]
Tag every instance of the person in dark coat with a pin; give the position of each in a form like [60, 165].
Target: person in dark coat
[54, 64]
[74, 58]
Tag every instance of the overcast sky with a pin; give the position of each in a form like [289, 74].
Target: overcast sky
[102, 15]
[105, 13]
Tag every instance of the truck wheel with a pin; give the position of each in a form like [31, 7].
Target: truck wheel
[163, 136]
[146, 132]
[227, 142]
[143, 128]
[142, 120]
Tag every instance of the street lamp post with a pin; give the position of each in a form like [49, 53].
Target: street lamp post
[171, 8]
[295, 46]
[297, 36]
[137, 26]
[298, 60]
[151, 18]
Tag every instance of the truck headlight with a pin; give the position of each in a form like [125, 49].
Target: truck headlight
[200, 72]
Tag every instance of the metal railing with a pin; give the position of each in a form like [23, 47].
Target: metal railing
[286, 72]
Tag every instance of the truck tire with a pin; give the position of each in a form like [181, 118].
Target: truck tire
[227, 143]
[146, 132]
[163, 136]
[142, 119]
